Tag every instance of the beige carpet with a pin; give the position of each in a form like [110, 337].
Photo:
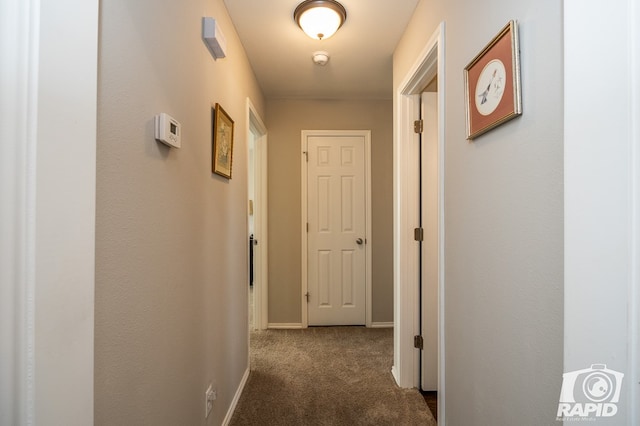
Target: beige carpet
[326, 376]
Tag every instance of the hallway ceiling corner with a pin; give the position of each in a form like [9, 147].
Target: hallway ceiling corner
[281, 55]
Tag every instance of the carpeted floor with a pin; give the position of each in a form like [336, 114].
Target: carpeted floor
[326, 376]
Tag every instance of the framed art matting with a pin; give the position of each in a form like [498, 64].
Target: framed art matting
[492, 83]
[222, 151]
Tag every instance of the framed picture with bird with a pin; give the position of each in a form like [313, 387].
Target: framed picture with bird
[492, 83]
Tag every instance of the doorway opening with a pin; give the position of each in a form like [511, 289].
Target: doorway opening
[257, 219]
[408, 259]
[428, 246]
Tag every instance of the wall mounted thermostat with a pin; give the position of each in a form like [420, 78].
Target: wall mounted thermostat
[168, 130]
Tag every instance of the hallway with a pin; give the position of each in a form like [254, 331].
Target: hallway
[326, 376]
[124, 261]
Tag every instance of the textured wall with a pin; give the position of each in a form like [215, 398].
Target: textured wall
[286, 119]
[171, 238]
[503, 218]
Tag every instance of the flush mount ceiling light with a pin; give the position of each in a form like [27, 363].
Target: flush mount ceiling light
[320, 19]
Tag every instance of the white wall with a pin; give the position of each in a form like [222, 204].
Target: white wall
[503, 218]
[602, 174]
[65, 218]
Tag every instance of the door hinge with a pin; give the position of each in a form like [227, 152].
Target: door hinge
[418, 342]
[418, 234]
[307, 226]
[306, 156]
[307, 296]
[418, 126]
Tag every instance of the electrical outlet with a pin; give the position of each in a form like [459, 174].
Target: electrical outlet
[209, 396]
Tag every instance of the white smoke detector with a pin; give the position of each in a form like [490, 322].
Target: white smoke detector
[321, 57]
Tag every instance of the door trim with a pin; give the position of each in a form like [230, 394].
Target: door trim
[429, 63]
[603, 197]
[47, 304]
[256, 126]
[303, 223]
[18, 155]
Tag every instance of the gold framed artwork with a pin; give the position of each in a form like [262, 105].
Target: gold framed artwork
[492, 83]
[222, 152]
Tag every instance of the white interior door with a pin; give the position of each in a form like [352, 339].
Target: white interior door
[336, 238]
[430, 245]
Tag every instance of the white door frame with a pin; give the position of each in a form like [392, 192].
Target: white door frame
[602, 192]
[18, 106]
[48, 173]
[429, 63]
[256, 126]
[367, 177]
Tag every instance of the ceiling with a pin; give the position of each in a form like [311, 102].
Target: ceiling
[360, 65]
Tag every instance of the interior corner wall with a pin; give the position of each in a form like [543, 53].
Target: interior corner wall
[287, 118]
[171, 290]
[503, 218]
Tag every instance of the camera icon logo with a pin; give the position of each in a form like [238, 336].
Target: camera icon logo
[591, 392]
[598, 387]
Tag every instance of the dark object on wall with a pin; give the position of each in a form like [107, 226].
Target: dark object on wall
[251, 243]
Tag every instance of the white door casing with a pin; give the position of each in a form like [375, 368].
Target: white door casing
[602, 196]
[47, 211]
[337, 245]
[257, 129]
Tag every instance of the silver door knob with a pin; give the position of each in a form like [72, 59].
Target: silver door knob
[359, 241]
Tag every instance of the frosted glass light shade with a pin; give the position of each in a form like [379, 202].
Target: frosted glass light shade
[320, 19]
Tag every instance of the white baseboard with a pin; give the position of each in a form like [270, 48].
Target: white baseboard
[394, 373]
[285, 325]
[236, 398]
[382, 324]
[295, 325]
